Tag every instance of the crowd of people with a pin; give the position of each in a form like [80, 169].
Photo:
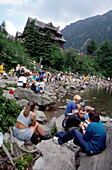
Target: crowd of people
[82, 125]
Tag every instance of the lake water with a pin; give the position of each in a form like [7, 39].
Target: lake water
[98, 97]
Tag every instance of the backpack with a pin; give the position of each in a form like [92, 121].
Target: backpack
[33, 87]
[22, 70]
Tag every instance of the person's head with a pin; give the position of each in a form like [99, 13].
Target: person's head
[81, 112]
[78, 106]
[76, 98]
[30, 107]
[18, 65]
[37, 79]
[93, 116]
[34, 74]
[88, 109]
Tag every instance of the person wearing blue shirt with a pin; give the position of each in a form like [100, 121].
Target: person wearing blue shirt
[87, 109]
[93, 139]
[71, 106]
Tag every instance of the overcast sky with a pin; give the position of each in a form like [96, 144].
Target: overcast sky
[60, 12]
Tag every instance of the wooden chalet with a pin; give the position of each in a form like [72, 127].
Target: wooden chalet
[56, 34]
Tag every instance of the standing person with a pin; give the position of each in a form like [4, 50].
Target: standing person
[26, 124]
[17, 71]
[22, 70]
[93, 139]
[71, 106]
[1, 69]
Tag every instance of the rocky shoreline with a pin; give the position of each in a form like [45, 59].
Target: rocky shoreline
[59, 156]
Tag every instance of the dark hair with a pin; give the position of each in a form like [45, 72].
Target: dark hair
[82, 108]
[94, 116]
[29, 108]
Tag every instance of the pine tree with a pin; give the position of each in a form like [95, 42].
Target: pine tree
[31, 39]
[91, 48]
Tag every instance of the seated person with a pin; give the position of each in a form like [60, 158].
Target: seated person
[74, 120]
[87, 109]
[22, 81]
[71, 106]
[26, 125]
[78, 106]
[37, 84]
[93, 143]
[33, 78]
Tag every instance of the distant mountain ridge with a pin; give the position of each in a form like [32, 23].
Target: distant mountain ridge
[80, 33]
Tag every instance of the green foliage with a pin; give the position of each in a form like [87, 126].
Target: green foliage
[9, 111]
[24, 161]
[3, 28]
[11, 52]
[104, 58]
[92, 47]
[53, 130]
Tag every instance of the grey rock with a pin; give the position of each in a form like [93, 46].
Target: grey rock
[40, 116]
[11, 82]
[11, 88]
[59, 123]
[105, 119]
[46, 129]
[53, 97]
[40, 100]
[52, 122]
[68, 100]
[83, 87]
[7, 95]
[2, 85]
[61, 107]
[61, 89]
[22, 102]
[55, 157]
[82, 104]
[73, 87]
[100, 161]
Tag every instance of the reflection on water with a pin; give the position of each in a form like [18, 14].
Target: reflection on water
[98, 97]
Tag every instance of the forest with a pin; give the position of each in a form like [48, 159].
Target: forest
[97, 60]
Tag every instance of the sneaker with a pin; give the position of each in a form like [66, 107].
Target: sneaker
[71, 143]
[46, 137]
[55, 140]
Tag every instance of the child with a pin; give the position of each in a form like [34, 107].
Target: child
[78, 106]
[87, 109]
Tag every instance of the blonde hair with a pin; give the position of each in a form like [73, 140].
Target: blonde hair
[88, 108]
[78, 106]
[29, 108]
[77, 97]
[18, 65]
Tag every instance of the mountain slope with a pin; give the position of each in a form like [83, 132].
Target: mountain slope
[80, 33]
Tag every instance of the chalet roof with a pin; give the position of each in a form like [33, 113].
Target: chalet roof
[45, 26]
[18, 34]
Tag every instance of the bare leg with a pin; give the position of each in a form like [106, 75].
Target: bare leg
[38, 128]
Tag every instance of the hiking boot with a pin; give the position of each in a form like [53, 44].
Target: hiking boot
[46, 137]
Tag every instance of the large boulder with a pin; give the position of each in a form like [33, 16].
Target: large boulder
[55, 157]
[59, 123]
[40, 116]
[7, 95]
[100, 161]
[40, 100]
[22, 102]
